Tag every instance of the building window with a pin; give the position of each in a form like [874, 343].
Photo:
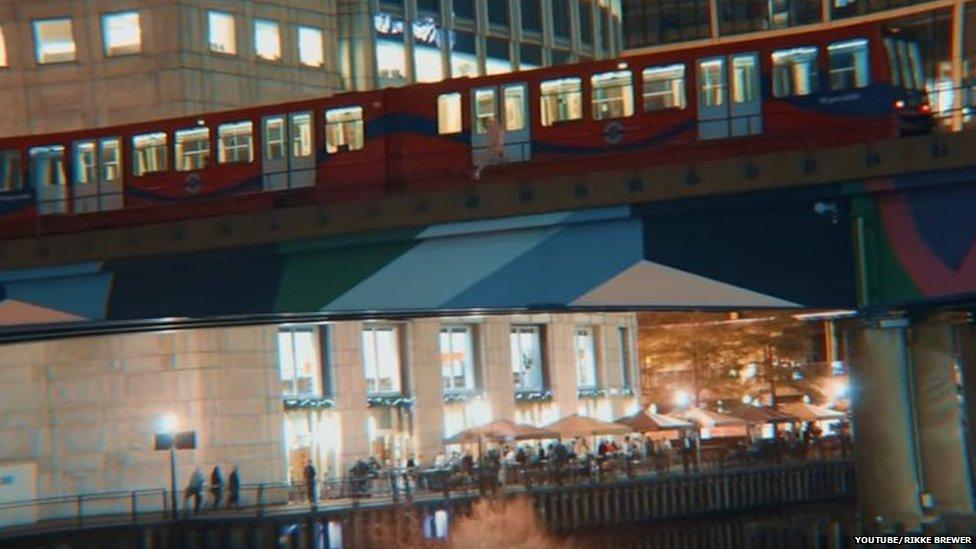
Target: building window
[344, 129]
[149, 153]
[664, 87]
[531, 19]
[527, 365]
[267, 40]
[449, 113]
[457, 358]
[222, 32]
[464, 8]
[560, 19]
[464, 61]
[192, 149]
[613, 95]
[3, 50]
[54, 41]
[585, 347]
[429, 6]
[561, 100]
[498, 12]
[586, 23]
[498, 60]
[849, 65]
[310, 47]
[381, 359]
[235, 143]
[10, 172]
[122, 33]
[795, 71]
[625, 358]
[530, 56]
[299, 362]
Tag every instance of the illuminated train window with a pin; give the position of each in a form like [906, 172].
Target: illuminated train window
[613, 95]
[561, 100]
[849, 65]
[795, 71]
[235, 143]
[149, 153]
[344, 129]
[449, 113]
[192, 149]
[10, 171]
[664, 87]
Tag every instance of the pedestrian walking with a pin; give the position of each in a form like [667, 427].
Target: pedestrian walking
[195, 489]
[310, 481]
[217, 486]
[234, 486]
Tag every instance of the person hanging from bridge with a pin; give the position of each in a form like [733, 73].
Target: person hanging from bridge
[496, 145]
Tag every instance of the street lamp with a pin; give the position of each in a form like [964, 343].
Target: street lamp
[168, 439]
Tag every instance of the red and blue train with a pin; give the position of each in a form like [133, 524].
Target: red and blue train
[802, 90]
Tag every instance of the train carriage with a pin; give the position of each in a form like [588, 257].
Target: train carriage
[799, 90]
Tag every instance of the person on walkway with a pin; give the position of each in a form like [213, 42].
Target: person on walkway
[217, 486]
[687, 447]
[195, 489]
[309, 474]
[234, 486]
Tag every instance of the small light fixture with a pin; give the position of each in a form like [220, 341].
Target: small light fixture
[622, 65]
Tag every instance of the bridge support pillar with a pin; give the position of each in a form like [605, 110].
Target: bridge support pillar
[884, 449]
[428, 388]
[940, 418]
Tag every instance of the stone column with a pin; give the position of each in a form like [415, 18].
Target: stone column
[885, 460]
[428, 386]
[495, 365]
[944, 465]
[350, 394]
[561, 363]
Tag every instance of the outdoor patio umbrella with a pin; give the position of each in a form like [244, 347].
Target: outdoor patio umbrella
[580, 426]
[759, 415]
[708, 419]
[500, 430]
[642, 422]
[810, 412]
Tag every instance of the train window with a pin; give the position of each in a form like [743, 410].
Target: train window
[301, 135]
[344, 129]
[711, 76]
[274, 138]
[613, 95]
[849, 66]
[795, 71]
[235, 143]
[47, 166]
[84, 162]
[514, 107]
[744, 78]
[893, 66]
[915, 64]
[664, 87]
[561, 100]
[110, 157]
[484, 110]
[192, 149]
[149, 153]
[449, 113]
[3, 50]
[10, 172]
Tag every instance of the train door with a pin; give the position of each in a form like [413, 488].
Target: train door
[288, 161]
[729, 96]
[500, 124]
[96, 184]
[49, 179]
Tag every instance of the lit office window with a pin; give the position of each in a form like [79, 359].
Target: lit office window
[562, 100]
[299, 363]
[585, 358]
[222, 32]
[267, 40]
[664, 87]
[613, 95]
[795, 71]
[3, 50]
[122, 33]
[235, 143]
[310, 47]
[344, 129]
[149, 153]
[527, 366]
[457, 358]
[449, 113]
[54, 41]
[381, 359]
[192, 149]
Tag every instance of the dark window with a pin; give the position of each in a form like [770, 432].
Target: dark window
[649, 23]
[464, 8]
[531, 54]
[561, 57]
[560, 19]
[851, 8]
[392, 4]
[586, 22]
[498, 12]
[464, 42]
[497, 48]
[429, 6]
[531, 20]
